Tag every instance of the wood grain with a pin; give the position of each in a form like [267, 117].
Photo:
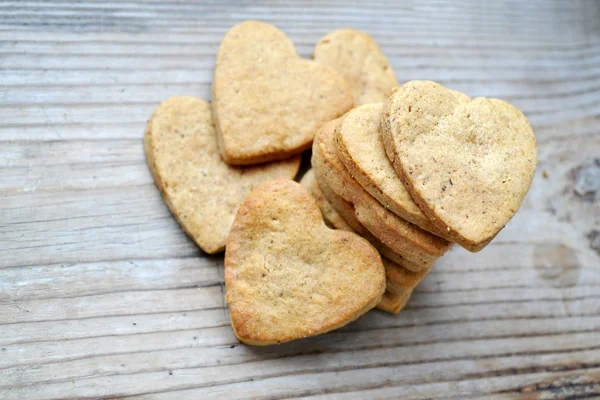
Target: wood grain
[103, 296]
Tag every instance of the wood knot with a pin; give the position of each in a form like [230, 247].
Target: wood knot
[557, 264]
[594, 237]
[587, 181]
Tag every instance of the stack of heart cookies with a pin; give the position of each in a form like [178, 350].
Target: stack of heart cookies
[412, 178]
[399, 172]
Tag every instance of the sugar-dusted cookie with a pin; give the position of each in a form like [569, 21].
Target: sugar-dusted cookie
[467, 164]
[416, 245]
[267, 101]
[289, 276]
[361, 149]
[360, 60]
[202, 192]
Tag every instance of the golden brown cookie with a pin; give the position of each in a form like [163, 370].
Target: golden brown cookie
[202, 192]
[416, 245]
[361, 149]
[268, 102]
[346, 211]
[468, 165]
[288, 276]
[331, 216]
[394, 302]
[399, 278]
[360, 60]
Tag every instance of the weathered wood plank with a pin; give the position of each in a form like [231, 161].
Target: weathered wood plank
[65, 281]
[90, 225]
[47, 352]
[112, 326]
[192, 353]
[102, 295]
[321, 374]
[516, 386]
[216, 19]
[556, 55]
[117, 303]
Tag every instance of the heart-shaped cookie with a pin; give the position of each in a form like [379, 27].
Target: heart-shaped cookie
[360, 60]
[202, 192]
[330, 215]
[467, 164]
[416, 245]
[361, 149]
[341, 215]
[346, 210]
[399, 279]
[289, 276]
[267, 101]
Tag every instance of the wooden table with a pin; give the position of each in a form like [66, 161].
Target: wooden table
[103, 296]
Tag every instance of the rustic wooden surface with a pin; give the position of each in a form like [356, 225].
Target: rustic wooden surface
[102, 295]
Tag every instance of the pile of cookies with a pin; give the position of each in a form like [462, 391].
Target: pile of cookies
[399, 172]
